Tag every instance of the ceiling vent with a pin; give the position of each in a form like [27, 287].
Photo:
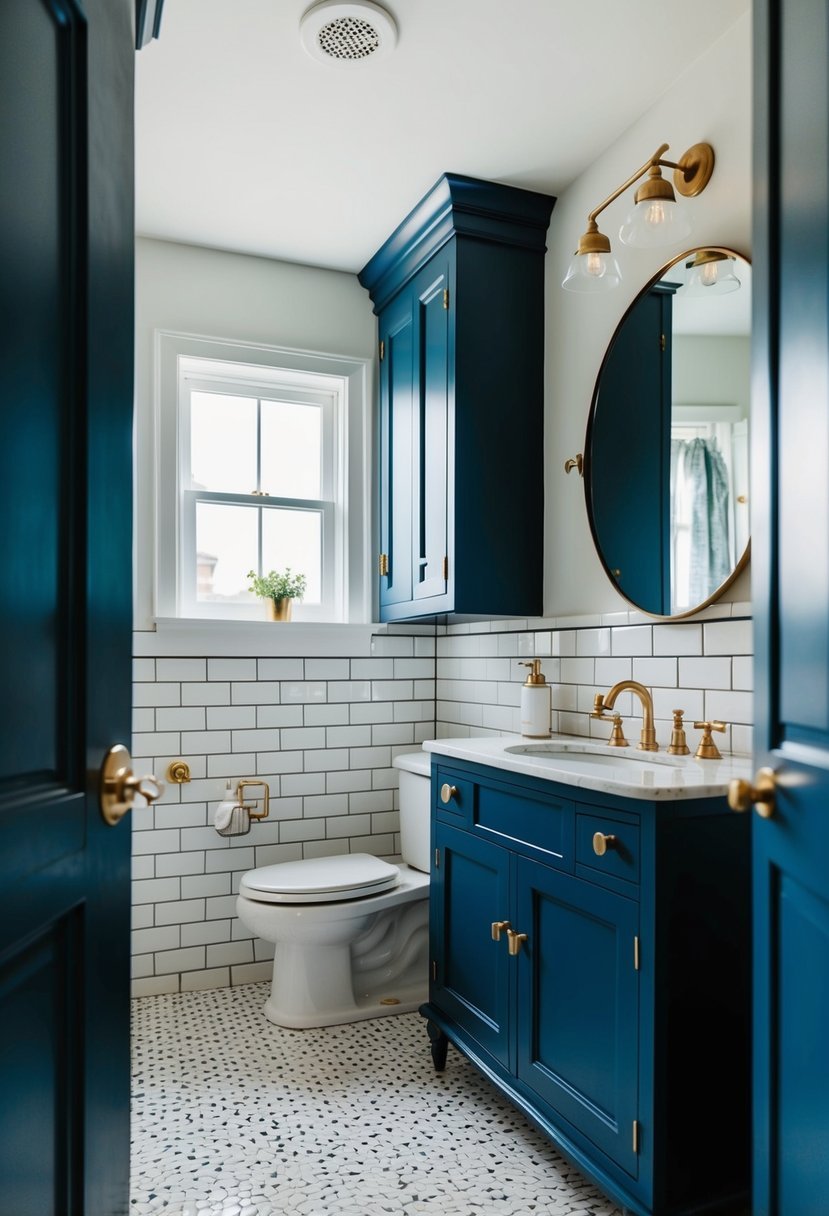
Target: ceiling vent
[350, 32]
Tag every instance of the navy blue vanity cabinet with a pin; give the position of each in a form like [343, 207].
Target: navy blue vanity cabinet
[458, 289]
[590, 956]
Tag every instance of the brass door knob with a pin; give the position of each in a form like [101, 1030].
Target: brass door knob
[742, 794]
[498, 927]
[448, 792]
[119, 785]
[515, 941]
[601, 843]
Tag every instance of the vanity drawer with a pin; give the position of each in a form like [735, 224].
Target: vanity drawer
[540, 826]
[453, 796]
[620, 841]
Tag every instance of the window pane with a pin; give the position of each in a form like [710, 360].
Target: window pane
[291, 449]
[226, 548]
[222, 443]
[294, 538]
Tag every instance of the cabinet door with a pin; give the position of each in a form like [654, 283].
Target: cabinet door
[431, 408]
[471, 984]
[397, 389]
[578, 1001]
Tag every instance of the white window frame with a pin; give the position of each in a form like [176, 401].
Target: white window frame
[339, 384]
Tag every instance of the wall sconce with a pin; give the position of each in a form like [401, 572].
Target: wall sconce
[710, 273]
[655, 219]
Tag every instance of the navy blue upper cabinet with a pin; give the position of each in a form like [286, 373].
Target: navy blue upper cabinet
[459, 292]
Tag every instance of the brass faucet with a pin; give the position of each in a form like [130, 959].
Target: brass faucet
[603, 701]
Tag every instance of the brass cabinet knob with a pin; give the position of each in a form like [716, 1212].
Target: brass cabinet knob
[602, 842]
[498, 927]
[448, 792]
[515, 941]
[119, 785]
[742, 794]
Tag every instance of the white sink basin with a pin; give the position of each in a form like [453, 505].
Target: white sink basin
[594, 753]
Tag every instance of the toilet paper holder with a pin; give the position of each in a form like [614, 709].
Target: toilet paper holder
[266, 798]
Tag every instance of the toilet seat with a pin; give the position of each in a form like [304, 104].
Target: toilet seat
[320, 880]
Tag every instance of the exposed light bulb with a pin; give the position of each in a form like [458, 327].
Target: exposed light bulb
[655, 212]
[595, 265]
[708, 274]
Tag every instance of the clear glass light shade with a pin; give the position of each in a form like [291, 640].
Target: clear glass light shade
[654, 222]
[592, 272]
[714, 278]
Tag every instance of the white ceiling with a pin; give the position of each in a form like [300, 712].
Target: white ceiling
[244, 142]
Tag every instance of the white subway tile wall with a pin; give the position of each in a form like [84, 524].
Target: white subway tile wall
[321, 731]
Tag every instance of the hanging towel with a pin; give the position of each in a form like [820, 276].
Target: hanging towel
[707, 476]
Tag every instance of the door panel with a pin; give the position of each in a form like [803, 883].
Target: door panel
[578, 1001]
[790, 577]
[432, 431]
[470, 890]
[396, 440]
[66, 297]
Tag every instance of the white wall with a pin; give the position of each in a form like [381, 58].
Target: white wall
[193, 290]
[710, 102]
[711, 369]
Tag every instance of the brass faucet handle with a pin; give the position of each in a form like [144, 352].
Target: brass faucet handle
[708, 749]
[679, 744]
[599, 707]
[617, 737]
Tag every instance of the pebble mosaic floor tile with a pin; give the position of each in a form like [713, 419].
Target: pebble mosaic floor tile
[233, 1116]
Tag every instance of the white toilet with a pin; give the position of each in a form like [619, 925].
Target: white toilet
[351, 932]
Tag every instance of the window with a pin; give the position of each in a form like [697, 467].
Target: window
[254, 475]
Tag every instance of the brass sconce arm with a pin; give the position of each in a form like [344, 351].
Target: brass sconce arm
[634, 177]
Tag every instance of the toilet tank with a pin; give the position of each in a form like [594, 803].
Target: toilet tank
[414, 769]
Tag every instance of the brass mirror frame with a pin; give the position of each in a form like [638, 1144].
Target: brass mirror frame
[588, 441]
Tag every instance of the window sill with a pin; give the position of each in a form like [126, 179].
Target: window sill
[197, 637]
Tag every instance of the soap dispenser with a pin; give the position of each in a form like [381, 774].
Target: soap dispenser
[535, 703]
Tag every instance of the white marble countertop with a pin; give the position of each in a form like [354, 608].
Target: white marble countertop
[571, 760]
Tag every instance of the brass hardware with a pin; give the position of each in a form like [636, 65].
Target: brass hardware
[617, 737]
[678, 745]
[266, 798]
[119, 785]
[636, 1135]
[603, 842]
[647, 736]
[575, 462]
[515, 941]
[445, 569]
[663, 343]
[446, 297]
[636, 954]
[448, 792]
[498, 927]
[384, 564]
[434, 970]
[708, 749]
[390, 1000]
[742, 498]
[761, 795]
[382, 351]
[178, 772]
[437, 859]
[617, 573]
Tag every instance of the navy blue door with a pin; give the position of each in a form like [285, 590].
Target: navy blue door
[474, 982]
[66, 302]
[578, 1003]
[790, 579]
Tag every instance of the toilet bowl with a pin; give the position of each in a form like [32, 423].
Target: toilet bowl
[351, 932]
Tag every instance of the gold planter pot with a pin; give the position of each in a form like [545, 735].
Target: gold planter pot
[278, 610]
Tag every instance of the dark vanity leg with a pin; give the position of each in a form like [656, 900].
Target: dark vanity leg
[440, 1044]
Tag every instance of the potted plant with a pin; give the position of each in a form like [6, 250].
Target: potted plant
[278, 588]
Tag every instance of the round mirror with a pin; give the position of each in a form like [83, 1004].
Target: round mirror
[666, 456]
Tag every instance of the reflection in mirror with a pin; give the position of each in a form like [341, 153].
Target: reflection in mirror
[666, 463]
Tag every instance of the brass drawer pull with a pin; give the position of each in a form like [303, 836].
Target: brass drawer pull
[498, 927]
[448, 792]
[515, 941]
[602, 842]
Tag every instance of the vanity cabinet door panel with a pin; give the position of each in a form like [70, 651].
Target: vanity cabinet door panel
[397, 390]
[470, 890]
[578, 1004]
